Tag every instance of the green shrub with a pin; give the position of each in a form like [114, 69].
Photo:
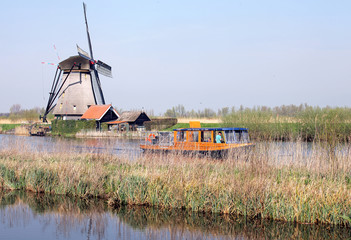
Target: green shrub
[160, 123]
[71, 126]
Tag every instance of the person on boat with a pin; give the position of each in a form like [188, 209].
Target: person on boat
[219, 138]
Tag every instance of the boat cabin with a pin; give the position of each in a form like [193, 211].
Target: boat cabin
[197, 137]
[208, 135]
[213, 141]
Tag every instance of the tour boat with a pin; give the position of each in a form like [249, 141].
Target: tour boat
[199, 141]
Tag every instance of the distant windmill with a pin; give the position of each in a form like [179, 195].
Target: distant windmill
[80, 85]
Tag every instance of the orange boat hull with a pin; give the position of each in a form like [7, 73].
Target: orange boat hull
[216, 149]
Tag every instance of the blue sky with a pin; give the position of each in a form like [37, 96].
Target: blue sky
[201, 54]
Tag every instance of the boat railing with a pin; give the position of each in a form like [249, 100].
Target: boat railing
[159, 138]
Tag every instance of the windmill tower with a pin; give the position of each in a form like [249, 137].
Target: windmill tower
[76, 84]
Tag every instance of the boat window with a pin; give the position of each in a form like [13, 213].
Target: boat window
[223, 137]
[242, 136]
[229, 136]
[246, 138]
[206, 136]
[238, 136]
[181, 136]
[165, 138]
[193, 136]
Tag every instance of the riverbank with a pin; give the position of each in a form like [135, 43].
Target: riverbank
[267, 186]
[69, 215]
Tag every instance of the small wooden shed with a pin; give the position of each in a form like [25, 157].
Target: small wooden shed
[130, 121]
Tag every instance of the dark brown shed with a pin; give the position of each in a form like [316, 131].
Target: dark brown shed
[134, 119]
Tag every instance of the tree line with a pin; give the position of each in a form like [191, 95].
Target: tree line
[291, 110]
[17, 112]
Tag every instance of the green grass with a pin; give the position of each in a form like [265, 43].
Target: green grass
[7, 127]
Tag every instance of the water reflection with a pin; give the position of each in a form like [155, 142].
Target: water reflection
[119, 146]
[303, 153]
[32, 216]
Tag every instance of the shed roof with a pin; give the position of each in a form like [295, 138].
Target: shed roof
[130, 116]
[97, 112]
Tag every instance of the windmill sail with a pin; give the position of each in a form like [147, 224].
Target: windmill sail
[83, 53]
[87, 28]
[104, 69]
[99, 97]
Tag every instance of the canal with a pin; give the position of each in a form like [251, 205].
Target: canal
[25, 215]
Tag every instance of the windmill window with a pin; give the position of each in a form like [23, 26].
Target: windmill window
[88, 106]
[60, 105]
[74, 107]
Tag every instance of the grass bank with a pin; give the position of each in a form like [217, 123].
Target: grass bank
[7, 127]
[312, 189]
[71, 212]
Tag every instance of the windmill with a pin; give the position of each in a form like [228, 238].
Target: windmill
[76, 84]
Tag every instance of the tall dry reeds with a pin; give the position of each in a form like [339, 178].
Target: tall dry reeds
[308, 124]
[298, 183]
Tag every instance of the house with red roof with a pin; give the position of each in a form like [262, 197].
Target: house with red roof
[101, 114]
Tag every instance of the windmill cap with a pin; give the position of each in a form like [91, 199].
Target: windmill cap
[77, 60]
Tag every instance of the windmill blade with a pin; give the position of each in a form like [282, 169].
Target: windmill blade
[99, 97]
[97, 90]
[104, 69]
[86, 24]
[83, 53]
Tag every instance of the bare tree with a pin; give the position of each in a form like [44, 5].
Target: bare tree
[15, 108]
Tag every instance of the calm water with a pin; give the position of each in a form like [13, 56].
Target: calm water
[279, 152]
[117, 146]
[32, 216]
[121, 146]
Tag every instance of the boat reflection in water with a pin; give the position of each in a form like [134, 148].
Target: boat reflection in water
[32, 216]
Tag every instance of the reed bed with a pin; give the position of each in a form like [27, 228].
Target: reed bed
[309, 124]
[296, 185]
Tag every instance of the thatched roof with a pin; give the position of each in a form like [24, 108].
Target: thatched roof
[131, 117]
[68, 63]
